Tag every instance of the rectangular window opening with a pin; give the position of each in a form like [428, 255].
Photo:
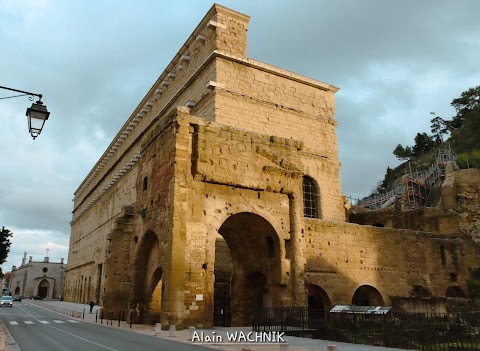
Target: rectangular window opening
[145, 183]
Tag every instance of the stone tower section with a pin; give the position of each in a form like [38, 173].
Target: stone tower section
[195, 212]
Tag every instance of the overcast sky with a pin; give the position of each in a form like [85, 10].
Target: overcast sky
[93, 61]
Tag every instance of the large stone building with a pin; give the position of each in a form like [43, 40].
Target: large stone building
[37, 278]
[221, 194]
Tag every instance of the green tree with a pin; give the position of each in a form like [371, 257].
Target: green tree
[423, 143]
[403, 153]
[388, 179]
[438, 127]
[5, 243]
[465, 137]
[468, 101]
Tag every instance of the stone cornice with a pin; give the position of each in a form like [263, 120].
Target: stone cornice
[279, 72]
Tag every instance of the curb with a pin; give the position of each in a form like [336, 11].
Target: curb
[7, 342]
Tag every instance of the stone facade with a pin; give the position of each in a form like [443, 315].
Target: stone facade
[41, 278]
[221, 194]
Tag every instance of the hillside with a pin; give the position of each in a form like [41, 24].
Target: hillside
[463, 137]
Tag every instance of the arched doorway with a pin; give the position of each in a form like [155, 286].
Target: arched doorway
[146, 293]
[367, 295]
[17, 290]
[318, 299]
[245, 265]
[43, 288]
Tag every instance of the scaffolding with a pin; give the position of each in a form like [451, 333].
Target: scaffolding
[416, 186]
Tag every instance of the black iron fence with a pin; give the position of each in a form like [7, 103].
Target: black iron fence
[429, 332]
[296, 321]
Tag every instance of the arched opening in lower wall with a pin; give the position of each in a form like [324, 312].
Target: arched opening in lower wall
[146, 291]
[247, 256]
[43, 287]
[367, 295]
[318, 299]
[17, 290]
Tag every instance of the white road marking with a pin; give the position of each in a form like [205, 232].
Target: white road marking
[13, 323]
[58, 321]
[44, 322]
[72, 321]
[71, 334]
[29, 322]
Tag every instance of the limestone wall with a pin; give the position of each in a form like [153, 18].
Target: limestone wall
[146, 217]
[463, 197]
[264, 99]
[220, 30]
[342, 257]
[427, 219]
[110, 185]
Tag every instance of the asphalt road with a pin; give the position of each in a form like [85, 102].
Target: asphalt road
[38, 329]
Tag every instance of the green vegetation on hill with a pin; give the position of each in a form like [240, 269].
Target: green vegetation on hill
[464, 138]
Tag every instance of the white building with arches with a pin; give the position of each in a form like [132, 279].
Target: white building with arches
[37, 278]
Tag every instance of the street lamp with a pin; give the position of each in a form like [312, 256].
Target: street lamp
[37, 114]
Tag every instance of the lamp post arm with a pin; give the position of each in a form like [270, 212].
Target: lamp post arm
[24, 92]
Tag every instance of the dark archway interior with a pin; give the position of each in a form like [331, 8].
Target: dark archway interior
[318, 298]
[252, 256]
[223, 273]
[367, 295]
[145, 297]
[43, 288]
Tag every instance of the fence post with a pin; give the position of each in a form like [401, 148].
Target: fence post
[131, 319]
[302, 311]
[423, 332]
[119, 314]
[96, 316]
[354, 327]
[384, 320]
[461, 322]
[83, 315]
[101, 317]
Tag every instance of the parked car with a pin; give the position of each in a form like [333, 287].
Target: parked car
[38, 297]
[17, 298]
[6, 301]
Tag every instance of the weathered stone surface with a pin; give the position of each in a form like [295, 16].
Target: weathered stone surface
[192, 212]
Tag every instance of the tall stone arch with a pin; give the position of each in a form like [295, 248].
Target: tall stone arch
[145, 298]
[255, 252]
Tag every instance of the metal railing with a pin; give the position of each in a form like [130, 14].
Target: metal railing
[296, 321]
[426, 332]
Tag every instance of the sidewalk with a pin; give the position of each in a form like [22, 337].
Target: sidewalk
[81, 312]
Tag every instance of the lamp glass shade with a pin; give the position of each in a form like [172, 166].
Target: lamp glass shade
[37, 115]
